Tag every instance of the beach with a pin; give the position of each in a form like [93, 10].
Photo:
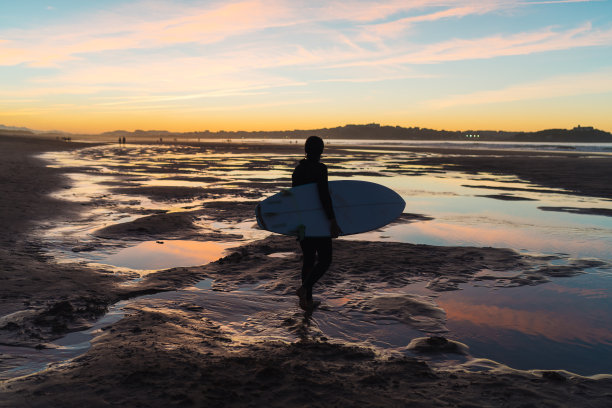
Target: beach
[183, 339]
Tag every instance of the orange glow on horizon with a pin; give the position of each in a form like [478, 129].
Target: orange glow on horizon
[96, 123]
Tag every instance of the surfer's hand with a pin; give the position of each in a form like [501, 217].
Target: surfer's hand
[334, 228]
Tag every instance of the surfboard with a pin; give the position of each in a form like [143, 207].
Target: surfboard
[360, 206]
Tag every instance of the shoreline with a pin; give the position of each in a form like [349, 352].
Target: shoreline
[189, 361]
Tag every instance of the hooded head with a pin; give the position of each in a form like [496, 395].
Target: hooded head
[314, 148]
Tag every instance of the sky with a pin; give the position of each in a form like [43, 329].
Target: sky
[186, 65]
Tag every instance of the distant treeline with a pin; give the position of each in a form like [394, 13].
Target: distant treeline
[374, 131]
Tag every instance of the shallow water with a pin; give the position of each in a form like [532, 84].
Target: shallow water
[563, 324]
[153, 255]
[26, 360]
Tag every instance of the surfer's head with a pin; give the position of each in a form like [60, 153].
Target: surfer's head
[314, 147]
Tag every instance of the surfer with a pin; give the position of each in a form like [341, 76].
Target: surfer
[316, 251]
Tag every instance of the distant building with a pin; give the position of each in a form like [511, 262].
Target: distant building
[584, 128]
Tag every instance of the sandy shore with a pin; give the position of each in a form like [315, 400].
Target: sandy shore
[179, 356]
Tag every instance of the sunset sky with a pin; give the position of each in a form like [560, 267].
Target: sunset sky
[182, 65]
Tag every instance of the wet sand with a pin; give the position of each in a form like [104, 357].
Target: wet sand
[177, 356]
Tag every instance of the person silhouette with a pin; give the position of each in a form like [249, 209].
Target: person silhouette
[316, 251]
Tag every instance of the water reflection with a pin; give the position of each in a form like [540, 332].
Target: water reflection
[578, 241]
[533, 327]
[166, 254]
[18, 361]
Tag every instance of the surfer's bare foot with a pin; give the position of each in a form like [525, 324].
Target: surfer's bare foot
[301, 292]
[310, 305]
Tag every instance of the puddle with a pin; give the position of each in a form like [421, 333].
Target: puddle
[153, 255]
[563, 324]
[19, 361]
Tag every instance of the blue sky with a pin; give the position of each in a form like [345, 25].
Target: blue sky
[92, 66]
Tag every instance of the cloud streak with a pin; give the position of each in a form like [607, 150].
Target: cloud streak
[123, 30]
[112, 31]
[523, 43]
[560, 86]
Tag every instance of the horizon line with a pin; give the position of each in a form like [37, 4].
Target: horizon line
[37, 131]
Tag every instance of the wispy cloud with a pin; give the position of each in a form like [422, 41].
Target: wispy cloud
[379, 31]
[368, 79]
[529, 3]
[515, 44]
[111, 31]
[149, 25]
[523, 43]
[558, 86]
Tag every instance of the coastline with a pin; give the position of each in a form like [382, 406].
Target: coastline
[190, 361]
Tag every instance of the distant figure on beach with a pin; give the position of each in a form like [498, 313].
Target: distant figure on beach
[123, 139]
[317, 251]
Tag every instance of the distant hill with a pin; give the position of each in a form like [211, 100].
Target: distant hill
[15, 128]
[377, 132]
[24, 131]
[579, 134]
[15, 131]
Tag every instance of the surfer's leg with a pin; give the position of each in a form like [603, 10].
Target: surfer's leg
[309, 255]
[324, 254]
[309, 251]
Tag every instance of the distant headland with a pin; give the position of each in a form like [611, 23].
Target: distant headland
[374, 131]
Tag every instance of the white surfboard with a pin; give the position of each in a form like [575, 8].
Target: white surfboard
[359, 206]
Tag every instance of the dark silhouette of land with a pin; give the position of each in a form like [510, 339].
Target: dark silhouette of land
[578, 134]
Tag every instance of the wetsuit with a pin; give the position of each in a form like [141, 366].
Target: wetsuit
[312, 171]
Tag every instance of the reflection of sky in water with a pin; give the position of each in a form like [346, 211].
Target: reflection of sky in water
[564, 324]
[460, 218]
[166, 254]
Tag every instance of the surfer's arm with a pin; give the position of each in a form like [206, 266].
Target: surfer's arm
[294, 178]
[323, 187]
[334, 228]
